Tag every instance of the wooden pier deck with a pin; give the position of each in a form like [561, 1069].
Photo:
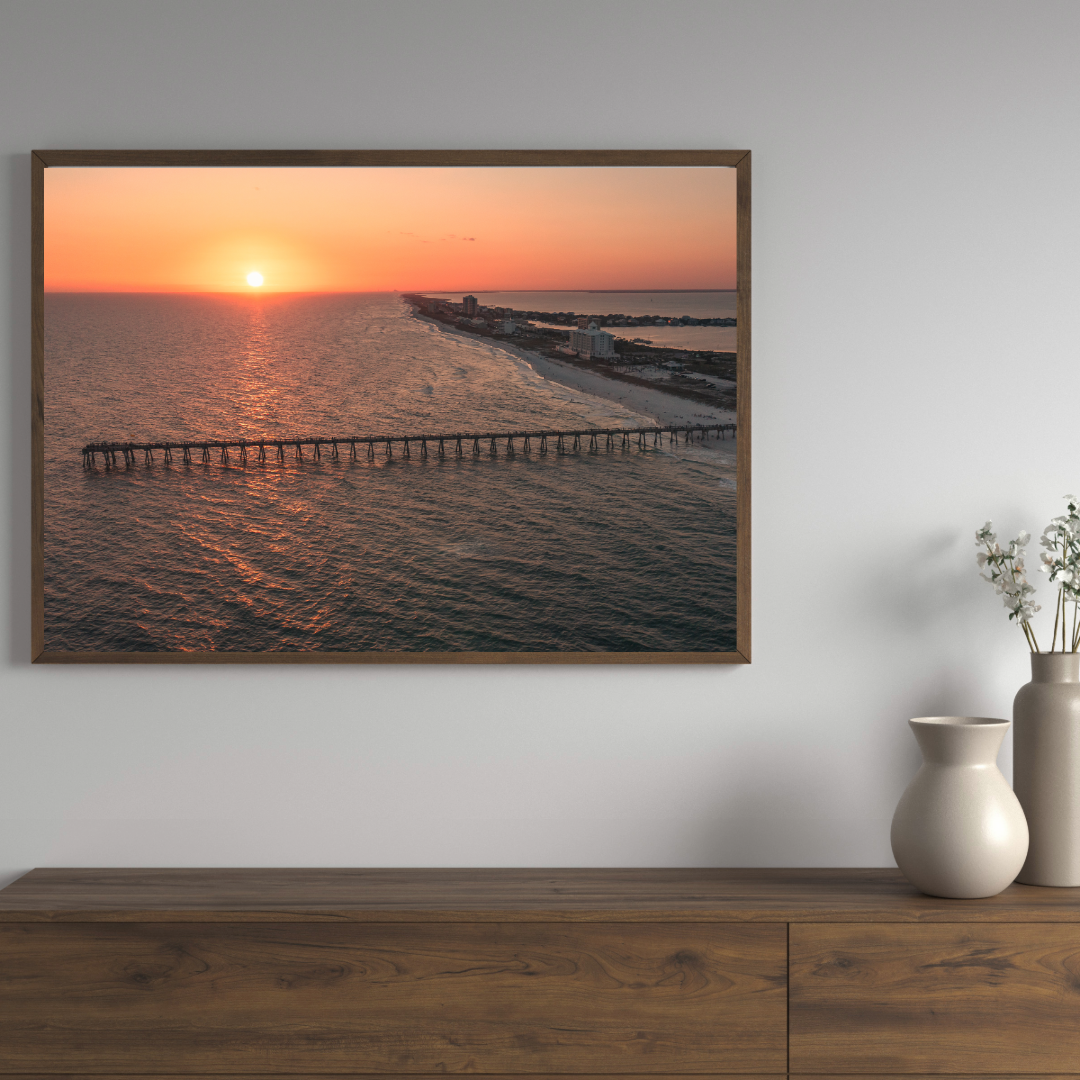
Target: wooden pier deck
[202, 451]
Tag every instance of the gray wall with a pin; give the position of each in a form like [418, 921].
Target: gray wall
[916, 287]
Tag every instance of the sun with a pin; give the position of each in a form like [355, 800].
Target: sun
[254, 278]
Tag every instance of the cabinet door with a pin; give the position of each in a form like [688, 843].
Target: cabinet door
[986, 998]
[417, 998]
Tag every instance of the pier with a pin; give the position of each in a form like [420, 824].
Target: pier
[459, 444]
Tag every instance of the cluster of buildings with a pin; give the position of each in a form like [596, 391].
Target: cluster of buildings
[587, 340]
[473, 313]
[568, 318]
[663, 320]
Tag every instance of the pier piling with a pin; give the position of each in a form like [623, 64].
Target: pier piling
[514, 442]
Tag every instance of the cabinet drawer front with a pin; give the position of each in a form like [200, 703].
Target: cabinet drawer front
[509, 998]
[977, 999]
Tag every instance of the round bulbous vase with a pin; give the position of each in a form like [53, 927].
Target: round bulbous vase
[958, 830]
[1046, 768]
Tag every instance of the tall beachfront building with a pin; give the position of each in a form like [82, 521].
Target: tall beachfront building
[468, 305]
[592, 342]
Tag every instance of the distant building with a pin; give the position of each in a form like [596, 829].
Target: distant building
[592, 342]
[509, 326]
[468, 306]
[582, 321]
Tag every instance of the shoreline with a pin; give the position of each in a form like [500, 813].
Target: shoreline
[666, 410]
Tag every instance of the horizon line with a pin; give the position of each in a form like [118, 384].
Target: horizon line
[577, 290]
[260, 291]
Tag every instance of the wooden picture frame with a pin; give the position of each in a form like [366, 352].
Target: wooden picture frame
[737, 160]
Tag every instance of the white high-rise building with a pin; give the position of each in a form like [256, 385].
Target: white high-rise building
[593, 342]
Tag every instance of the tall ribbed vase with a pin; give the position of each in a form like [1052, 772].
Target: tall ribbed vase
[1046, 768]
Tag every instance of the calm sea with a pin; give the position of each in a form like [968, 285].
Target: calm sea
[610, 551]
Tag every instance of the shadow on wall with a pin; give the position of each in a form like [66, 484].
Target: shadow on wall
[782, 803]
[961, 652]
[930, 588]
[782, 813]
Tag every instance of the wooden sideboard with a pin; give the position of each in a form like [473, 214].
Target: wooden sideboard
[658, 973]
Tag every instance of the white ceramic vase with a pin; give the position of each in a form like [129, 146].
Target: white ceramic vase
[1046, 768]
[958, 830]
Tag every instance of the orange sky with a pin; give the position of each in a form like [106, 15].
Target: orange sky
[363, 229]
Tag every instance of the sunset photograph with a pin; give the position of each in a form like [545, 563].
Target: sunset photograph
[390, 410]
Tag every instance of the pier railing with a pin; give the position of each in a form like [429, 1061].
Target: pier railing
[201, 451]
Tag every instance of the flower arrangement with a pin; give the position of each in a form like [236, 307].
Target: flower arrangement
[1060, 560]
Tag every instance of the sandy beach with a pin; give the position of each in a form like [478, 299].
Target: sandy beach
[655, 405]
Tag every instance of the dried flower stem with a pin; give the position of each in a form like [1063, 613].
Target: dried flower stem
[1007, 575]
[1061, 561]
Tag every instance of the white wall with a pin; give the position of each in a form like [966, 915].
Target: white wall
[916, 285]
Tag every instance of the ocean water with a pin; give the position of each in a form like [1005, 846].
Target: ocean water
[609, 551]
[698, 305]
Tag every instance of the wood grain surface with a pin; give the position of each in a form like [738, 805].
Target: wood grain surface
[979, 999]
[389, 158]
[448, 895]
[742, 406]
[52, 657]
[199, 998]
[37, 405]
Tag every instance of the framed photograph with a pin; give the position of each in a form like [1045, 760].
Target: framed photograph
[391, 407]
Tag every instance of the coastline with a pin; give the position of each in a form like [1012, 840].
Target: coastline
[656, 406]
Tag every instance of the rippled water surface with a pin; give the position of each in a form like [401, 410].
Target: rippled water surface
[610, 551]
